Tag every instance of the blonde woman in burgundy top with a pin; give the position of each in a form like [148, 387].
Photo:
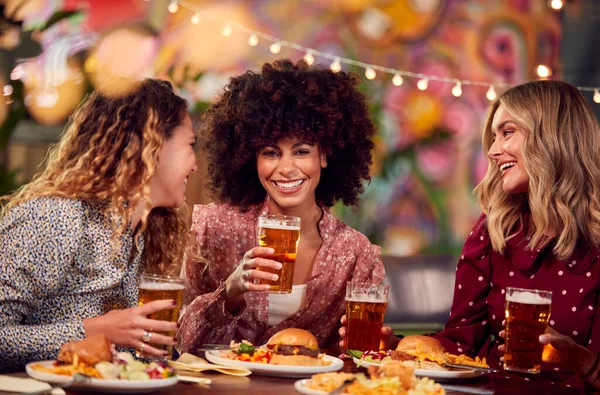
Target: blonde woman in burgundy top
[290, 140]
[540, 230]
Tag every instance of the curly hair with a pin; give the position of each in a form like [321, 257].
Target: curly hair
[561, 148]
[109, 152]
[285, 100]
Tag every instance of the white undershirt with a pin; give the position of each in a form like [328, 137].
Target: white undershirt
[282, 306]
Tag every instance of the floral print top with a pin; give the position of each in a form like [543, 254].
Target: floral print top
[479, 295]
[57, 267]
[225, 234]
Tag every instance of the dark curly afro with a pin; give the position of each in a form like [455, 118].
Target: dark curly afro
[311, 103]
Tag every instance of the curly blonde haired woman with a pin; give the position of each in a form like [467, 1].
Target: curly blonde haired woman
[107, 206]
[540, 229]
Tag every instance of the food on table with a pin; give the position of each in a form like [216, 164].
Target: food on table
[394, 378]
[247, 352]
[292, 346]
[96, 357]
[424, 352]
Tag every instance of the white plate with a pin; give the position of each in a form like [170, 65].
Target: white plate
[438, 375]
[265, 369]
[101, 385]
[302, 387]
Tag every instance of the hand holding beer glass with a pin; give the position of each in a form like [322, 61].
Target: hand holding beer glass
[365, 309]
[157, 287]
[527, 313]
[282, 233]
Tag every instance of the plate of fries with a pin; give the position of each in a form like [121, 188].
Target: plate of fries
[50, 372]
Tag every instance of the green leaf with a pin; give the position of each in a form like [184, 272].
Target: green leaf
[355, 353]
[245, 349]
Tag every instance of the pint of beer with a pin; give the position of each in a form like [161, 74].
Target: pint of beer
[282, 233]
[365, 308]
[157, 287]
[527, 313]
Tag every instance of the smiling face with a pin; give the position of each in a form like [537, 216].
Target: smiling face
[176, 161]
[290, 171]
[506, 152]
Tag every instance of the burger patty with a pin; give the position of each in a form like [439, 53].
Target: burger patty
[402, 356]
[295, 350]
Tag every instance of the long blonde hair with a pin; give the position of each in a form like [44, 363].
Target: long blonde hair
[109, 153]
[561, 154]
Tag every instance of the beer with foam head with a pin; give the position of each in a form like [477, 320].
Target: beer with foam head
[156, 287]
[365, 309]
[527, 313]
[282, 233]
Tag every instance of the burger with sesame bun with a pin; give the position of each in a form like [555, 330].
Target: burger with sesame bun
[294, 346]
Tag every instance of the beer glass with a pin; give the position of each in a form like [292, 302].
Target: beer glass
[282, 233]
[157, 287]
[365, 308]
[527, 313]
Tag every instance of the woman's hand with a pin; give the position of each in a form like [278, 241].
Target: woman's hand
[562, 351]
[130, 327]
[390, 341]
[242, 279]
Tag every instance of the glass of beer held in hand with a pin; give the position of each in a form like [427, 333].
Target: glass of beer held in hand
[157, 287]
[527, 313]
[282, 233]
[365, 308]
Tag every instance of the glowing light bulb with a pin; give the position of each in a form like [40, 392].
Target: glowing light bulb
[556, 4]
[370, 73]
[173, 6]
[457, 89]
[335, 65]
[226, 30]
[596, 96]
[253, 40]
[423, 84]
[309, 58]
[544, 71]
[397, 79]
[275, 48]
[491, 93]
[196, 18]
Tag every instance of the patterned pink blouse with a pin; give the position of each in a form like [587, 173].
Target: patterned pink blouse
[225, 234]
[479, 295]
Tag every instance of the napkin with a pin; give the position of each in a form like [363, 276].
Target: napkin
[192, 363]
[20, 385]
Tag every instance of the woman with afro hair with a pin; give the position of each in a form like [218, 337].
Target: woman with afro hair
[290, 140]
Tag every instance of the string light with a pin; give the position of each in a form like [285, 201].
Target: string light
[275, 48]
[173, 6]
[226, 30]
[556, 4]
[370, 73]
[422, 84]
[309, 58]
[544, 71]
[397, 80]
[457, 89]
[336, 65]
[253, 40]
[491, 93]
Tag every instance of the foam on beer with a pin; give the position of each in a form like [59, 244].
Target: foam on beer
[366, 299]
[162, 286]
[527, 298]
[276, 224]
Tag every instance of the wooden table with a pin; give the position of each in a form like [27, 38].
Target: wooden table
[255, 385]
